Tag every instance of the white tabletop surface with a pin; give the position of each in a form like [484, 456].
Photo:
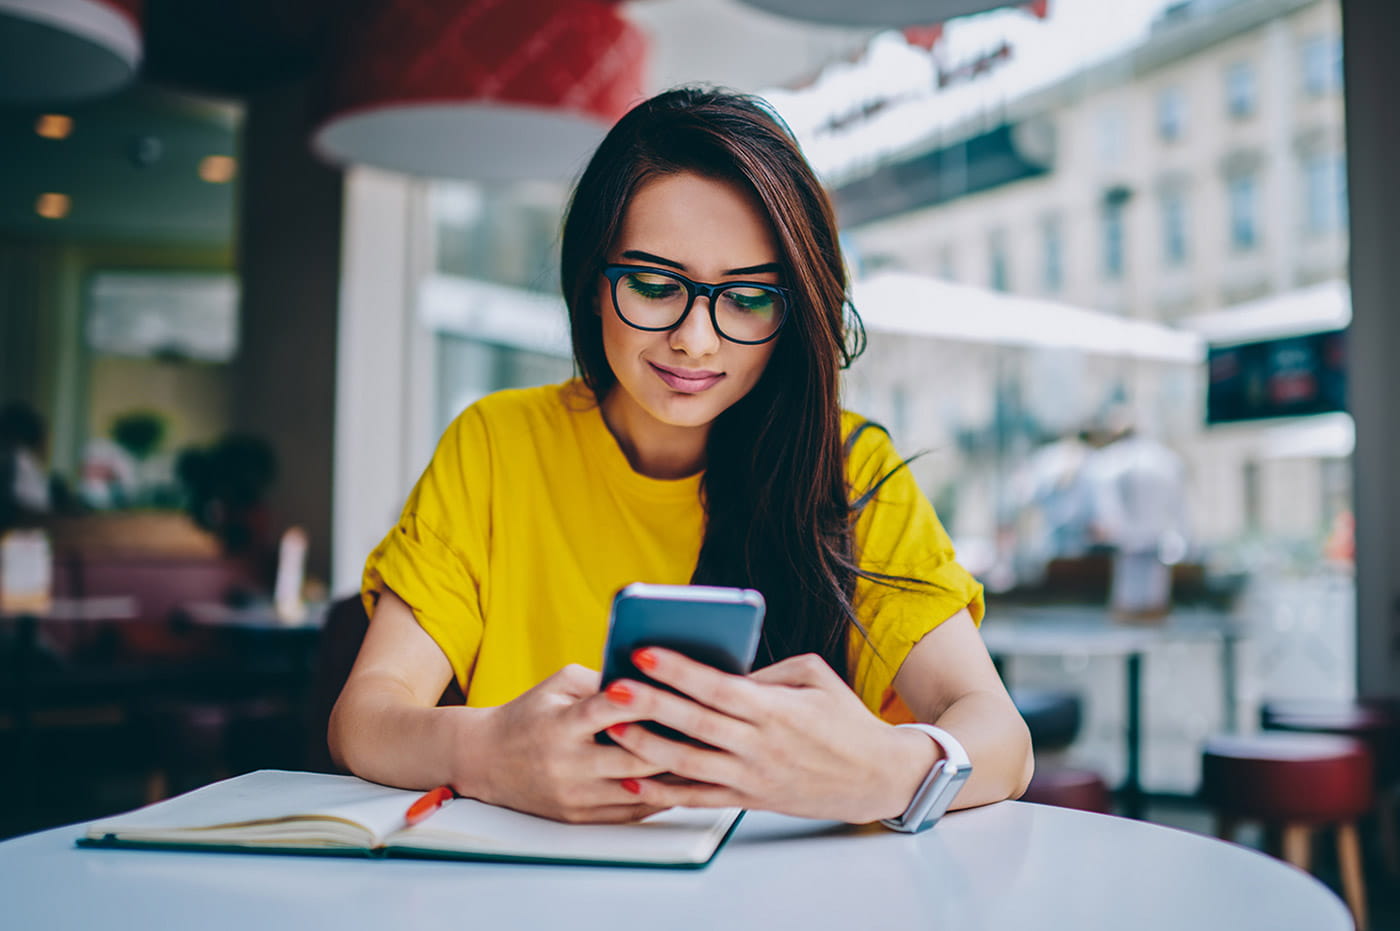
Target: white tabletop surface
[1007, 866]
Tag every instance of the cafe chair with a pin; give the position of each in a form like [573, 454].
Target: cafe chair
[1054, 719]
[1374, 722]
[1298, 783]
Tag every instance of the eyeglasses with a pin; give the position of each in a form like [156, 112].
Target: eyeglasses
[654, 299]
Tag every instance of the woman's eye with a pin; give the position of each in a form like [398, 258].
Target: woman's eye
[653, 287]
[750, 300]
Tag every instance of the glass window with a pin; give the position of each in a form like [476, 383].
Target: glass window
[1244, 210]
[1112, 134]
[1240, 90]
[1322, 65]
[1174, 232]
[1325, 185]
[1053, 272]
[999, 273]
[1171, 114]
[1113, 234]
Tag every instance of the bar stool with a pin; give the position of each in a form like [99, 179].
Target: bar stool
[1053, 718]
[1376, 723]
[1298, 782]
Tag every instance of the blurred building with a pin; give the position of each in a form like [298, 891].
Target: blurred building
[1202, 170]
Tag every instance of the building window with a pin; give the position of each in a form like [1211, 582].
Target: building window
[1325, 184]
[948, 263]
[1000, 262]
[1174, 235]
[1244, 212]
[1171, 114]
[1114, 259]
[1322, 65]
[1240, 91]
[1112, 138]
[1053, 246]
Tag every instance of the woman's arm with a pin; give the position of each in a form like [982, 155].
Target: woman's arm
[535, 754]
[948, 679]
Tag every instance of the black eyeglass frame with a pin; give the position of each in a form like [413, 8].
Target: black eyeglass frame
[694, 289]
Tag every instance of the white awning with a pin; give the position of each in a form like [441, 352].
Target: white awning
[918, 305]
[1320, 308]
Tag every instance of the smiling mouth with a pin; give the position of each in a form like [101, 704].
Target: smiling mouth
[686, 382]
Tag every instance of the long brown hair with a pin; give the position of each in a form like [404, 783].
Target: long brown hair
[778, 509]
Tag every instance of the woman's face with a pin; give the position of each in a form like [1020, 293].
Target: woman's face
[709, 231]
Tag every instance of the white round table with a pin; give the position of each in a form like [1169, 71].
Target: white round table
[1012, 866]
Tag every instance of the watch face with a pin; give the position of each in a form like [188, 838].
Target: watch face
[941, 794]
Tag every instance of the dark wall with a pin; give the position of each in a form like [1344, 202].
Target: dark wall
[289, 259]
[1371, 33]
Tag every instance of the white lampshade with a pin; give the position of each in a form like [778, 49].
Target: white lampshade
[890, 13]
[60, 50]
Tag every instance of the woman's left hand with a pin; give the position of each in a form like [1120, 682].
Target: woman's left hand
[791, 738]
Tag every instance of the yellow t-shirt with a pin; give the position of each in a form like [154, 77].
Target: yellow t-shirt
[529, 518]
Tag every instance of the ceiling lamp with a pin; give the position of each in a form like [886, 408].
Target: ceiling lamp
[489, 90]
[53, 50]
[888, 13]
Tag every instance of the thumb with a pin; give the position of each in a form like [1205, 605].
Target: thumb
[576, 681]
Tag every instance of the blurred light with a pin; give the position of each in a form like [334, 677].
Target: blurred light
[53, 206]
[54, 126]
[218, 169]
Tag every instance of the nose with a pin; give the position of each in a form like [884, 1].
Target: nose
[696, 336]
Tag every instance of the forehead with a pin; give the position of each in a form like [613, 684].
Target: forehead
[703, 223]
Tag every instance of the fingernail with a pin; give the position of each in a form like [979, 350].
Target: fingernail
[644, 659]
[633, 786]
[620, 693]
[617, 730]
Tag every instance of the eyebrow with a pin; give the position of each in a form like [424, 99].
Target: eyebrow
[746, 270]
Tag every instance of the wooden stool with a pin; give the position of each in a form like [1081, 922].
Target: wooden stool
[1298, 782]
[1374, 722]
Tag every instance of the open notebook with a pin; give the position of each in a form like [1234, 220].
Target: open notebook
[273, 811]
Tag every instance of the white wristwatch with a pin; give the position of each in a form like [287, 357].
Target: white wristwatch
[939, 787]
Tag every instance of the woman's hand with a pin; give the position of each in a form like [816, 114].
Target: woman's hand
[791, 738]
[545, 761]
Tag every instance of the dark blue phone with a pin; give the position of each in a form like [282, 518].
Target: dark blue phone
[719, 627]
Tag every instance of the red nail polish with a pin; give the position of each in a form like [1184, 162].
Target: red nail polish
[620, 693]
[633, 786]
[644, 659]
[617, 730]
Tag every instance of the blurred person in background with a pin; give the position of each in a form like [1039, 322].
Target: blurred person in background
[27, 493]
[704, 443]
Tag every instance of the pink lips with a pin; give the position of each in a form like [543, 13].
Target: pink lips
[687, 381]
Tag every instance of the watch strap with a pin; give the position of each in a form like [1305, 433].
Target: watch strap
[939, 787]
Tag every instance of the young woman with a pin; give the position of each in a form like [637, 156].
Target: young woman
[703, 443]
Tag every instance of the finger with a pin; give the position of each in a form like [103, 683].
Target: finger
[577, 681]
[690, 795]
[805, 671]
[694, 763]
[615, 814]
[735, 696]
[648, 703]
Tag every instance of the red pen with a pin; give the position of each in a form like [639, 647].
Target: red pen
[428, 803]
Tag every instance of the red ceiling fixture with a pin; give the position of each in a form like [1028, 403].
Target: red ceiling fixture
[481, 89]
[62, 50]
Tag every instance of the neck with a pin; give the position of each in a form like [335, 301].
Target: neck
[654, 449]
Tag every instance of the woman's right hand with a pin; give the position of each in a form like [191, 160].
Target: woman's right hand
[545, 761]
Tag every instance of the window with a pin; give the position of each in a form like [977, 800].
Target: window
[1112, 138]
[1244, 210]
[1174, 234]
[1000, 272]
[1322, 65]
[1171, 114]
[1325, 186]
[1114, 259]
[1053, 271]
[1240, 91]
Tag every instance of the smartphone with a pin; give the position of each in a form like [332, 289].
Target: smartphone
[719, 627]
